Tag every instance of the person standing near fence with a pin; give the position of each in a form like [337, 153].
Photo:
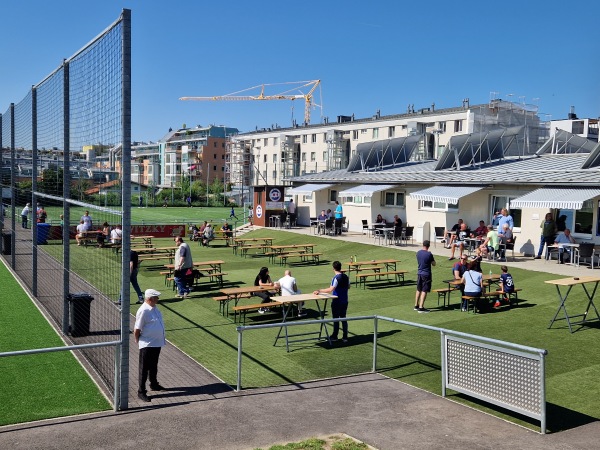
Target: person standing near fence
[425, 260]
[134, 265]
[25, 215]
[339, 216]
[149, 333]
[340, 284]
[87, 221]
[183, 265]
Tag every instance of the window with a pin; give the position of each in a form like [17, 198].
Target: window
[354, 135]
[303, 157]
[304, 138]
[313, 138]
[313, 156]
[394, 199]
[332, 195]
[214, 156]
[215, 168]
[458, 126]
[324, 137]
[363, 131]
[504, 202]
[275, 141]
[579, 221]
[324, 156]
[307, 198]
[264, 175]
[437, 206]
[274, 175]
[375, 133]
[265, 142]
[214, 144]
[358, 200]
[391, 132]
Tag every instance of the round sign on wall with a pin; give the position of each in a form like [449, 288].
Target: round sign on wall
[258, 211]
[275, 195]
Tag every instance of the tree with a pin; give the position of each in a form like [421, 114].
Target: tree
[51, 182]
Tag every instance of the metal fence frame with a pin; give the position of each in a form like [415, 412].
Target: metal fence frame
[503, 347]
[65, 118]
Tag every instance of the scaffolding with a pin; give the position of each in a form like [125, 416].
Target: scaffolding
[337, 156]
[238, 163]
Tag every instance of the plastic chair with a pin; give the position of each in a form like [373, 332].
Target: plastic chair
[584, 251]
[365, 226]
[409, 234]
[439, 235]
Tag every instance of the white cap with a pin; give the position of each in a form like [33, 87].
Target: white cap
[151, 293]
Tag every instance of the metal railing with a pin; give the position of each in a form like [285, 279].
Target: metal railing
[499, 372]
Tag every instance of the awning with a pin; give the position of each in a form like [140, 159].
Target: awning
[556, 198]
[365, 190]
[444, 194]
[306, 189]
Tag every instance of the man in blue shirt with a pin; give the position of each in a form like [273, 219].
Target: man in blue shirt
[425, 260]
[339, 215]
[506, 218]
[340, 284]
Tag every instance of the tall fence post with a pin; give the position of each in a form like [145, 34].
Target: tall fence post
[34, 183]
[375, 326]
[66, 194]
[239, 362]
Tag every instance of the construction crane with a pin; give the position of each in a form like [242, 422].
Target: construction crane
[285, 95]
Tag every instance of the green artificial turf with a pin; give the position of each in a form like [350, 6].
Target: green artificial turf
[405, 353]
[38, 386]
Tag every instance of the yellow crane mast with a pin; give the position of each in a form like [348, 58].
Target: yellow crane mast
[285, 95]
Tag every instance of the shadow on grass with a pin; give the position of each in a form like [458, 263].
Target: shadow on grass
[558, 418]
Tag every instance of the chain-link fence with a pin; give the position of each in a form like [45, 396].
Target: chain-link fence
[65, 187]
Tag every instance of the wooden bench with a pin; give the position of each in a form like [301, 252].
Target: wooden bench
[511, 296]
[484, 295]
[223, 300]
[304, 257]
[243, 310]
[216, 238]
[244, 249]
[167, 278]
[398, 274]
[444, 294]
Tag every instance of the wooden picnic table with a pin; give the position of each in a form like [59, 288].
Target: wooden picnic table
[568, 283]
[215, 266]
[147, 240]
[283, 248]
[288, 301]
[234, 294]
[242, 242]
[390, 264]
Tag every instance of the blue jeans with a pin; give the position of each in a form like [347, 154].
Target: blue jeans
[182, 283]
[338, 310]
[543, 241]
[134, 282]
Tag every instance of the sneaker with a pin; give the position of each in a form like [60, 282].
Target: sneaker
[538, 257]
[345, 340]
[497, 304]
[463, 309]
[261, 310]
[333, 339]
[143, 397]
[423, 310]
[301, 314]
[416, 308]
[451, 258]
[186, 295]
[157, 387]
[179, 296]
[443, 241]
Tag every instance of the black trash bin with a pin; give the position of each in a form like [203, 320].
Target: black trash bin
[6, 243]
[79, 313]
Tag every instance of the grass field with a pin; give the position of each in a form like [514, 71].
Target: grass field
[407, 354]
[38, 386]
[149, 215]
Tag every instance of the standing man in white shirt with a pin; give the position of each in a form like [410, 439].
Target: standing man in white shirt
[149, 333]
[25, 215]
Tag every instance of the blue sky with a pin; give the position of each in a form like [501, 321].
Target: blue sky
[378, 55]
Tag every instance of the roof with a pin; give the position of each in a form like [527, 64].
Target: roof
[364, 190]
[541, 170]
[306, 189]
